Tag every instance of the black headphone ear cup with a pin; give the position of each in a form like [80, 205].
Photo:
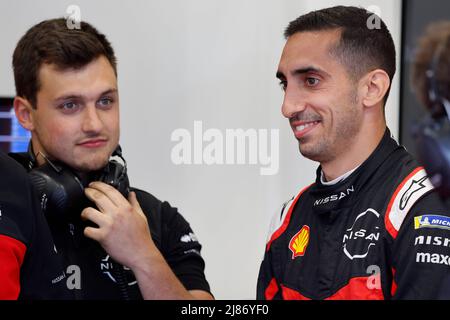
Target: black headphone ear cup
[39, 182]
[115, 175]
[60, 193]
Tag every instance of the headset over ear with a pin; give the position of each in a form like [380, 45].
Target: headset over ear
[61, 190]
[432, 135]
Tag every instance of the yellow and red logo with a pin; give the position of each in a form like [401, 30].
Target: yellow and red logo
[299, 242]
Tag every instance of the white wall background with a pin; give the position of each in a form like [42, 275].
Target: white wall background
[214, 61]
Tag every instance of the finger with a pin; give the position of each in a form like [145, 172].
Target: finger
[101, 200]
[94, 215]
[112, 193]
[132, 198]
[93, 233]
[134, 202]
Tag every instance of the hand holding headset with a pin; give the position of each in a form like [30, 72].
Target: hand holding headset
[62, 196]
[61, 190]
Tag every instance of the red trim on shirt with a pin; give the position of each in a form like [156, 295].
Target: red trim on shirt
[357, 289]
[285, 224]
[12, 253]
[271, 289]
[394, 284]
[291, 294]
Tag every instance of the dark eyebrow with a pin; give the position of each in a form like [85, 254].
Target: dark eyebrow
[300, 71]
[75, 96]
[306, 70]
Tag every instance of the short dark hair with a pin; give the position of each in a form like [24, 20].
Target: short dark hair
[53, 42]
[436, 38]
[361, 49]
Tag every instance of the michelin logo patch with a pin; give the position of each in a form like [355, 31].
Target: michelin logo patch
[432, 221]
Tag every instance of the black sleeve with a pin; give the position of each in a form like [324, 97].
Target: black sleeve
[181, 249]
[16, 211]
[421, 252]
[175, 239]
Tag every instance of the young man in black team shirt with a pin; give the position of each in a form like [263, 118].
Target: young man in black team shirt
[371, 226]
[67, 96]
[30, 267]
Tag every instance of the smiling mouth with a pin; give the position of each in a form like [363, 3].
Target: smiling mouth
[306, 125]
[301, 130]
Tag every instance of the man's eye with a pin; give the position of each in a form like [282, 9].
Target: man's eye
[69, 106]
[311, 82]
[105, 102]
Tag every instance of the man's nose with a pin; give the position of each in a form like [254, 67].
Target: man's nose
[92, 122]
[293, 102]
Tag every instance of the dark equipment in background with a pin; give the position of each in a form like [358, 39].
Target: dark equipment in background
[432, 135]
[424, 134]
[417, 15]
[13, 137]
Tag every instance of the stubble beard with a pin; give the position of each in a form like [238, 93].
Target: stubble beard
[327, 148]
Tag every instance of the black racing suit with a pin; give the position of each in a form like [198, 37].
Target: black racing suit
[83, 256]
[30, 268]
[381, 233]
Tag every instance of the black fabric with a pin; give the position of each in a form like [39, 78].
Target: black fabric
[170, 232]
[343, 247]
[42, 275]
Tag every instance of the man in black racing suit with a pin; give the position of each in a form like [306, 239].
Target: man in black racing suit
[371, 226]
[380, 233]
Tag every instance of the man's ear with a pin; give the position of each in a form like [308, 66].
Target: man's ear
[23, 110]
[375, 85]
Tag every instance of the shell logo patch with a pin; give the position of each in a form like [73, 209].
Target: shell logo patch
[299, 242]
